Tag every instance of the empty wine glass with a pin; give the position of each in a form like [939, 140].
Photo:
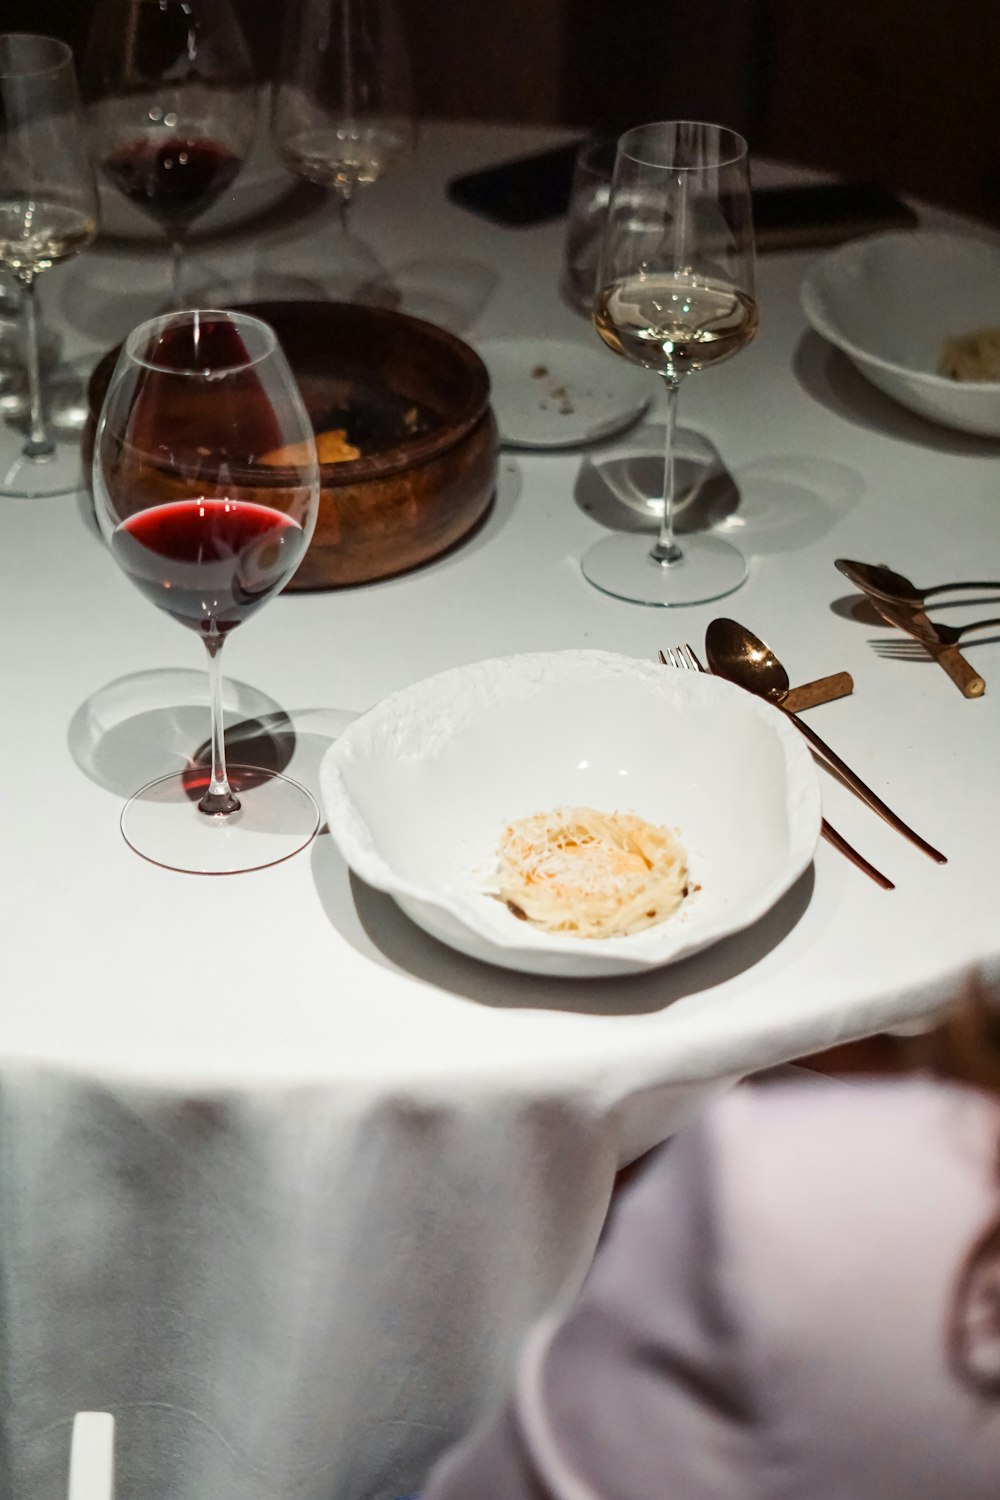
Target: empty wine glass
[343, 106]
[675, 294]
[173, 108]
[206, 487]
[48, 212]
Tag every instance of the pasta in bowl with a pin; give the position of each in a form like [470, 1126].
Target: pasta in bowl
[574, 813]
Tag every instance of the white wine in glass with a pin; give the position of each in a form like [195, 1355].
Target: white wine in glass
[675, 294]
[343, 104]
[48, 212]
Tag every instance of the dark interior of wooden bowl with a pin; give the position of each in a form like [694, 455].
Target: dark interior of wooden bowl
[398, 388]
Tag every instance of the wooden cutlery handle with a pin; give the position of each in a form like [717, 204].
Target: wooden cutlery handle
[822, 690]
[961, 672]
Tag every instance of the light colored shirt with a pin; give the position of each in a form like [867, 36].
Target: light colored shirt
[768, 1316]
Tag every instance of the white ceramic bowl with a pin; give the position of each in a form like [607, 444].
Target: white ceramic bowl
[419, 789]
[890, 301]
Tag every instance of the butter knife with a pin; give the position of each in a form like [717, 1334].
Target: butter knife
[916, 624]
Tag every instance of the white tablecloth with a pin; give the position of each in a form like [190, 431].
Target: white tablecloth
[283, 1181]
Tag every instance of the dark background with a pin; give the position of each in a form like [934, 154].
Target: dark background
[890, 90]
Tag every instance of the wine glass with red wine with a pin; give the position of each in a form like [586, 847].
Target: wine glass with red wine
[206, 486]
[173, 108]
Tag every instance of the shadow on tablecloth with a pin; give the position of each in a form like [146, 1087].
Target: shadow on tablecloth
[374, 924]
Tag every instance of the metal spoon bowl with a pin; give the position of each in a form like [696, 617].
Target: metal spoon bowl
[737, 654]
[885, 583]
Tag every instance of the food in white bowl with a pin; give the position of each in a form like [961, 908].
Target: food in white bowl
[590, 873]
[896, 304]
[420, 790]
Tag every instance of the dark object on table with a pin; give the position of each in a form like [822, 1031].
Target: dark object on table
[534, 188]
[527, 190]
[414, 399]
[798, 218]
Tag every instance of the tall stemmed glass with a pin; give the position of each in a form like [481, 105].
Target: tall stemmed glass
[343, 104]
[207, 487]
[173, 108]
[48, 212]
[675, 294]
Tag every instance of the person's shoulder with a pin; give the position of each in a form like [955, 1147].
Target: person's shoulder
[859, 1111]
[903, 1139]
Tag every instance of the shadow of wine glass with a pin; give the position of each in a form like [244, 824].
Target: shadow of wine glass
[623, 489]
[339, 266]
[374, 925]
[64, 397]
[261, 282]
[64, 383]
[789, 502]
[103, 297]
[139, 728]
[153, 723]
[449, 291]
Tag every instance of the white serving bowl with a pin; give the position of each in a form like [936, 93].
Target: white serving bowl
[891, 300]
[419, 790]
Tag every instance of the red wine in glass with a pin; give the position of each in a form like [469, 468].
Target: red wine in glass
[172, 100]
[206, 488]
[173, 179]
[209, 562]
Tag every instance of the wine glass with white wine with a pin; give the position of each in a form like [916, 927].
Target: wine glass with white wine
[675, 294]
[48, 212]
[343, 107]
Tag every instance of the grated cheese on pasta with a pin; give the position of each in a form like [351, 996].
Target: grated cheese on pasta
[972, 356]
[591, 874]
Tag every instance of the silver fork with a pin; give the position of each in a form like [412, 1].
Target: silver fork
[685, 658]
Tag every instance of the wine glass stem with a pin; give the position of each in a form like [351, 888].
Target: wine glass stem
[666, 550]
[39, 445]
[176, 274]
[220, 797]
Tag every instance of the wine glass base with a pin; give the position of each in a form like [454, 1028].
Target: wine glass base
[277, 817]
[624, 567]
[26, 478]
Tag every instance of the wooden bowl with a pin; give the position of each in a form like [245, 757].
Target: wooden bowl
[415, 399]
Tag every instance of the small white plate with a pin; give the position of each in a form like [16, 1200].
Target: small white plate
[419, 790]
[554, 393]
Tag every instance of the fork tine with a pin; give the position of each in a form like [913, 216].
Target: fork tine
[682, 657]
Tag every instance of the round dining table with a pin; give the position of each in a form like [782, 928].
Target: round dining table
[283, 1180]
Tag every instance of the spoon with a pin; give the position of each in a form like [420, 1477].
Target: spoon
[872, 578]
[737, 654]
[685, 658]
